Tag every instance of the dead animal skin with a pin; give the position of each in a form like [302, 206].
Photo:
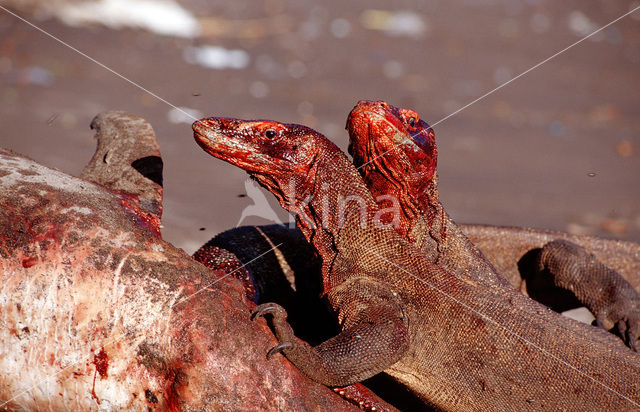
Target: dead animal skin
[98, 312]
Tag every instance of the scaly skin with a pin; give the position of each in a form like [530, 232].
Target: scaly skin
[295, 158]
[278, 265]
[457, 344]
[395, 151]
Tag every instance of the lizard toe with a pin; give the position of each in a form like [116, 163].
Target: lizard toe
[629, 330]
[633, 334]
[632, 341]
[623, 329]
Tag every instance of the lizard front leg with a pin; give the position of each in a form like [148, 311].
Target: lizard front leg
[613, 301]
[374, 337]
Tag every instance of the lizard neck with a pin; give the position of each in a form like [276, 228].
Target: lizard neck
[433, 214]
[336, 197]
[416, 194]
[336, 204]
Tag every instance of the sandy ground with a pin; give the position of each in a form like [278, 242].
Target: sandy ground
[558, 148]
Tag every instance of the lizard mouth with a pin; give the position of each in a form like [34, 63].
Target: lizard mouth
[216, 137]
[379, 135]
[414, 150]
[380, 127]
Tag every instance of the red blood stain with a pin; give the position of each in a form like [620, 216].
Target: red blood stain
[142, 218]
[215, 259]
[176, 381]
[93, 389]
[101, 362]
[29, 261]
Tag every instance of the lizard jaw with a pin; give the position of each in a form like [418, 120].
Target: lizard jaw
[382, 129]
[222, 142]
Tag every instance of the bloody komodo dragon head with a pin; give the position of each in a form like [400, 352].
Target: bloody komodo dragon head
[395, 152]
[281, 157]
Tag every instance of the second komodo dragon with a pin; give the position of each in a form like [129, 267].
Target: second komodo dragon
[395, 152]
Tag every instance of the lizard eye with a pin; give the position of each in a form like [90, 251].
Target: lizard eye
[412, 121]
[270, 133]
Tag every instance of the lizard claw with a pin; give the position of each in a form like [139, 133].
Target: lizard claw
[278, 348]
[268, 309]
[628, 330]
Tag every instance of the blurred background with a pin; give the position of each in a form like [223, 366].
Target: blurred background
[559, 148]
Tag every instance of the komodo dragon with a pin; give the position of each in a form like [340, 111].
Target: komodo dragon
[458, 344]
[396, 155]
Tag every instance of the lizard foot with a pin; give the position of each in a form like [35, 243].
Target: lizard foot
[283, 330]
[628, 329]
[613, 301]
